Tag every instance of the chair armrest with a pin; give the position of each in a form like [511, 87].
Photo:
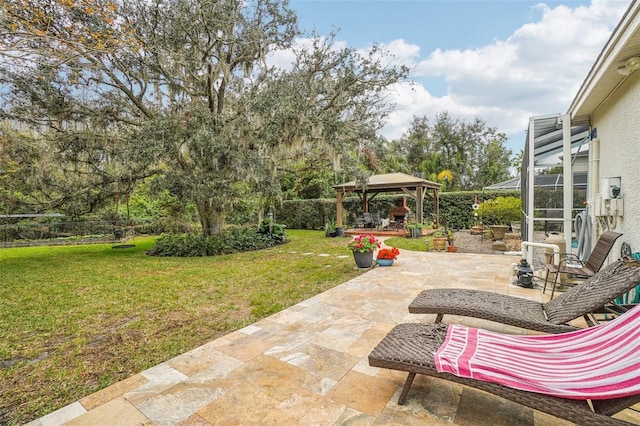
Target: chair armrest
[564, 254]
[572, 259]
[564, 257]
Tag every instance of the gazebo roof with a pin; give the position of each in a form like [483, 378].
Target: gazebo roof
[388, 182]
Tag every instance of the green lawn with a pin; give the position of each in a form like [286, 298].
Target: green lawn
[75, 319]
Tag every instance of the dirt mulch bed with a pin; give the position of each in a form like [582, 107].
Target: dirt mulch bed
[468, 243]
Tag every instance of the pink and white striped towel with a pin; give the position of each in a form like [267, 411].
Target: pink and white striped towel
[600, 362]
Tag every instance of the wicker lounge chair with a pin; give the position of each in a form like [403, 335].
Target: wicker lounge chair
[411, 348]
[582, 269]
[551, 317]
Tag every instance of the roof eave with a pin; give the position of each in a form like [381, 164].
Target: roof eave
[603, 78]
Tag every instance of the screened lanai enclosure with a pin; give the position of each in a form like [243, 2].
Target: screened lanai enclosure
[555, 200]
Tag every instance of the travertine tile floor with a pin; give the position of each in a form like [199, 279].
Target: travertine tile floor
[307, 365]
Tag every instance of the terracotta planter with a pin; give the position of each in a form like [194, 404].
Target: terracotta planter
[439, 243]
[477, 230]
[452, 249]
[363, 260]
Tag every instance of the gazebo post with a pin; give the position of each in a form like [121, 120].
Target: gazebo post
[419, 203]
[436, 206]
[339, 198]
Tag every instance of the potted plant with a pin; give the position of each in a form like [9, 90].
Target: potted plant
[448, 235]
[414, 229]
[386, 256]
[362, 248]
[451, 248]
[439, 240]
[330, 229]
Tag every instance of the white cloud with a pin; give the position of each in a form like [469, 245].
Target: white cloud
[282, 59]
[537, 70]
[403, 52]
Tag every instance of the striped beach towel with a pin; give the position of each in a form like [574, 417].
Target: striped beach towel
[600, 362]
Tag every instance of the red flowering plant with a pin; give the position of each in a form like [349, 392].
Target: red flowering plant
[364, 244]
[388, 254]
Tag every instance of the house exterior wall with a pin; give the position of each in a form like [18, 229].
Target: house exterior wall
[618, 128]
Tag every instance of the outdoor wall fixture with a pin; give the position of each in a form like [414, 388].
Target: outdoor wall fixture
[629, 66]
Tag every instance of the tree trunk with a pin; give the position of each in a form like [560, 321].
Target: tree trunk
[211, 218]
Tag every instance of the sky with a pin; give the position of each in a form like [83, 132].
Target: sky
[501, 60]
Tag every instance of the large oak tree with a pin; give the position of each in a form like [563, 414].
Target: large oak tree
[182, 88]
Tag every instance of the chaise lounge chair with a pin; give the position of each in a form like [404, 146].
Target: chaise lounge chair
[535, 377]
[551, 317]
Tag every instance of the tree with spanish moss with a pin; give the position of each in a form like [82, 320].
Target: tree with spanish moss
[183, 89]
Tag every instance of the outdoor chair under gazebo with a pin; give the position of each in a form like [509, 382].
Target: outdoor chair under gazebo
[417, 188]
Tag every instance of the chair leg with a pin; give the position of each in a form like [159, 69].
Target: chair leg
[546, 278]
[405, 388]
[555, 281]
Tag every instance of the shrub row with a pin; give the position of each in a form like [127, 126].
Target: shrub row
[455, 207]
[231, 240]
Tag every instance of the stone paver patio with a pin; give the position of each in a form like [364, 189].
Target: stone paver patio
[307, 365]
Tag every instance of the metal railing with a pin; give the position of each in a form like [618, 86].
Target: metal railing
[42, 233]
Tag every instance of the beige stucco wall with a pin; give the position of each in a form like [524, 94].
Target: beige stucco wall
[618, 126]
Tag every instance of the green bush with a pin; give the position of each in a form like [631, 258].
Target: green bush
[231, 240]
[272, 230]
[501, 210]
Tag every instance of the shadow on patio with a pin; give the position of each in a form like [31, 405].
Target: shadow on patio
[308, 364]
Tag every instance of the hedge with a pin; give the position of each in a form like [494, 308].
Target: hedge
[455, 207]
